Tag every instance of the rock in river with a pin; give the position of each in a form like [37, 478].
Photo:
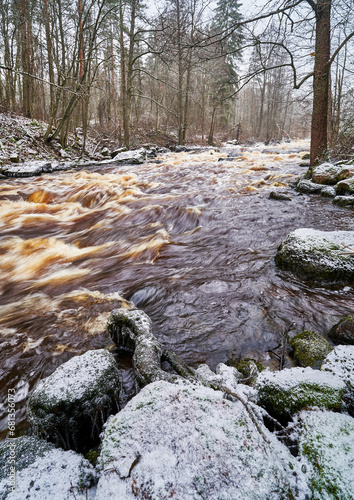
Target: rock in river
[318, 255]
[70, 406]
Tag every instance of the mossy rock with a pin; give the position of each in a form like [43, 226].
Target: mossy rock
[70, 406]
[327, 442]
[326, 174]
[345, 186]
[310, 348]
[340, 362]
[249, 368]
[286, 392]
[318, 255]
[343, 331]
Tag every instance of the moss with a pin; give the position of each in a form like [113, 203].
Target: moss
[247, 366]
[310, 348]
[92, 456]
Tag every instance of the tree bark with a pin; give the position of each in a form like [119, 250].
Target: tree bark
[319, 123]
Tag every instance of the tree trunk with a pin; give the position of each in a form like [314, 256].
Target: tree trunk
[319, 123]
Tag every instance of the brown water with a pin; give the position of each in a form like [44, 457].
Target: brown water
[190, 240]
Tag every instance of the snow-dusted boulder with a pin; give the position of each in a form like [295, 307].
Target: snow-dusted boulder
[318, 255]
[310, 348]
[328, 191]
[133, 157]
[327, 441]
[307, 186]
[28, 169]
[343, 331]
[186, 441]
[226, 376]
[288, 391]
[344, 201]
[70, 406]
[345, 186]
[43, 472]
[340, 362]
[326, 173]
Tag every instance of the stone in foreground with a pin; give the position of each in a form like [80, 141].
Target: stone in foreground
[318, 255]
[340, 362]
[327, 441]
[70, 406]
[44, 472]
[186, 441]
[286, 392]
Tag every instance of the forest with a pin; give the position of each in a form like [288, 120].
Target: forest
[182, 71]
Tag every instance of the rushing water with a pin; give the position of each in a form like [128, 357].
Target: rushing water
[188, 238]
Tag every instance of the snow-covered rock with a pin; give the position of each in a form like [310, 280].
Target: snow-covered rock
[344, 201]
[43, 472]
[226, 376]
[327, 441]
[326, 173]
[310, 348]
[186, 441]
[133, 157]
[345, 186]
[340, 362]
[328, 191]
[319, 255]
[307, 186]
[28, 169]
[288, 391]
[71, 405]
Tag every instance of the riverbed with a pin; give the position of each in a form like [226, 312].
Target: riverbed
[186, 237]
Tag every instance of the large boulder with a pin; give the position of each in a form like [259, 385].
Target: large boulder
[307, 186]
[186, 441]
[43, 472]
[310, 348]
[318, 255]
[327, 442]
[343, 331]
[133, 157]
[70, 406]
[340, 362]
[286, 392]
[326, 173]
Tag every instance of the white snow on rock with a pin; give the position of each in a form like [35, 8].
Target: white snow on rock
[185, 441]
[341, 363]
[292, 389]
[327, 441]
[319, 254]
[226, 376]
[133, 157]
[57, 475]
[326, 173]
[76, 378]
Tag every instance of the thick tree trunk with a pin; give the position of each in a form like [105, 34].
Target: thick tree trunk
[319, 123]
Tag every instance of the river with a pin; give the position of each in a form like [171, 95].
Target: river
[189, 239]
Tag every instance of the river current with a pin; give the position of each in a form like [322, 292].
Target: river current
[187, 238]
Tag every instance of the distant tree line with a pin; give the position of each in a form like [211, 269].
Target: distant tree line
[187, 68]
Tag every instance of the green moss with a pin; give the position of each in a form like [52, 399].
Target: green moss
[246, 366]
[92, 456]
[310, 348]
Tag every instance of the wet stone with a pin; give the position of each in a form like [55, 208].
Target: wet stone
[344, 201]
[70, 406]
[343, 331]
[275, 195]
[307, 186]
